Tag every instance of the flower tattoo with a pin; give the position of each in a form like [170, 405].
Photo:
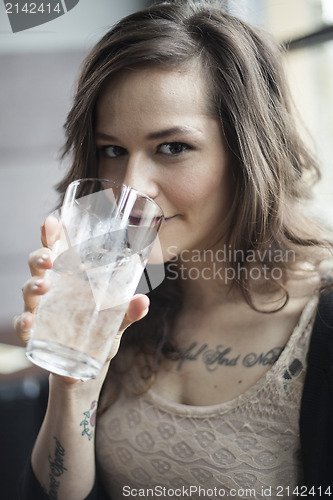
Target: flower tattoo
[89, 421]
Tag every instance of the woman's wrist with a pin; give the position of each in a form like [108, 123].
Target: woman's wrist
[71, 389]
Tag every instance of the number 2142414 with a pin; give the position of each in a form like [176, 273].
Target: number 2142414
[33, 8]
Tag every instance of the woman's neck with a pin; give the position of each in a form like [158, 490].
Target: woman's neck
[204, 283]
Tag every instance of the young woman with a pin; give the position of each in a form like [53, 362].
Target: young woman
[189, 105]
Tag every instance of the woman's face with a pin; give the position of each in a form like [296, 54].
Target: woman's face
[154, 133]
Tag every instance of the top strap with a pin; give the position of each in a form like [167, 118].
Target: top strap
[316, 418]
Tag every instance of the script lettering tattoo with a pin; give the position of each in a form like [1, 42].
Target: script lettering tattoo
[269, 358]
[190, 354]
[218, 357]
[89, 421]
[223, 356]
[57, 468]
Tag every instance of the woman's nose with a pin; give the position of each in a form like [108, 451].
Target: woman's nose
[141, 175]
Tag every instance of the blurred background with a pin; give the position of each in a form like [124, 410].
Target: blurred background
[38, 69]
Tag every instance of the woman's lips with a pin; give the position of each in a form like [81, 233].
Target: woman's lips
[136, 220]
[167, 219]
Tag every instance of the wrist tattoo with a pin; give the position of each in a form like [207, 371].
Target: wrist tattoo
[89, 421]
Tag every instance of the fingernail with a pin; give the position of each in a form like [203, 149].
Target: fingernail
[23, 324]
[43, 258]
[38, 283]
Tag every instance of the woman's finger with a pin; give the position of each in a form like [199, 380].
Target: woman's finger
[22, 324]
[32, 289]
[50, 231]
[137, 309]
[39, 261]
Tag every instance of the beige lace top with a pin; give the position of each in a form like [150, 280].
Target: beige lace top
[248, 447]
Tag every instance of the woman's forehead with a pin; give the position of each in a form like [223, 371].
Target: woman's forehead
[155, 85]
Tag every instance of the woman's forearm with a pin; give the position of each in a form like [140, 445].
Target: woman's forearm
[63, 458]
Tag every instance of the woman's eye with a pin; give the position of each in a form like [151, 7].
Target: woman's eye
[113, 151]
[173, 148]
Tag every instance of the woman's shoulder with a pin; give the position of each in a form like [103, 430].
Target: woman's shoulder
[308, 279]
[311, 282]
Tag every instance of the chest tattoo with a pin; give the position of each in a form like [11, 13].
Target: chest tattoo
[222, 355]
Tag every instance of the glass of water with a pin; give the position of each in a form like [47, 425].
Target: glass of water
[107, 231]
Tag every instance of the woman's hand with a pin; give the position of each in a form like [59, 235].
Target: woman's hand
[137, 309]
[41, 260]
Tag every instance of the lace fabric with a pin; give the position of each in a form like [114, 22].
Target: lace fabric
[249, 443]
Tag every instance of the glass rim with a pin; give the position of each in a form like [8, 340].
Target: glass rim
[116, 183]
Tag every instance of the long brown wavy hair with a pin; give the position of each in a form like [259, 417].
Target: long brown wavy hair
[273, 170]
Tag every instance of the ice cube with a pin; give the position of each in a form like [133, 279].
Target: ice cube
[68, 262]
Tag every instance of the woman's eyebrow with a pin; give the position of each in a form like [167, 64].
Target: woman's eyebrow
[160, 134]
[101, 135]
